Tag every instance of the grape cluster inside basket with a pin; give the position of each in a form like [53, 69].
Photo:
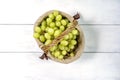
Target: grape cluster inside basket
[80, 40]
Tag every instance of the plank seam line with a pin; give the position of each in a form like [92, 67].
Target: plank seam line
[80, 24]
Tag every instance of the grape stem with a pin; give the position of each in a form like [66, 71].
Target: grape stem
[46, 48]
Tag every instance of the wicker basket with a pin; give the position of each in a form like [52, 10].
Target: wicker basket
[81, 40]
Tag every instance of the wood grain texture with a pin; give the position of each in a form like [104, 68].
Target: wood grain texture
[98, 38]
[91, 66]
[92, 11]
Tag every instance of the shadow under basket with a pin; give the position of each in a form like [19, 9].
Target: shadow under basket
[80, 40]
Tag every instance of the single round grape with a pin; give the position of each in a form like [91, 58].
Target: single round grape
[47, 29]
[57, 53]
[60, 57]
[66, 37]
[55, 13]
[74, 37]
[48, 20]
[63, 22]
[43, 28]
[73, 42]
[53, 48]
[75, 32]
[67, 21]
[48, 42]
[61, 47]
[44, 23]
[62, 28]
[37, 29]
[64, 42]
[52, 24]
[36, 35]
[71, 46]
[72, 54]
[42, 38]
[70, 35]
[51, 16]
[69, 24]
[64, 52]
[50, 31]
[57, 33]
[58, 17]
[47, 36]
[58, 23]
[68, 50]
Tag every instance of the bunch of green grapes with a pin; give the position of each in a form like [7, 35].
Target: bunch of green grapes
[50, 28]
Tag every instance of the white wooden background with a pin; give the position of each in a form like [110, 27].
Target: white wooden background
[100, 21]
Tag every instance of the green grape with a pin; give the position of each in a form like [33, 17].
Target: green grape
[46, 29]
[47, 42]
[61, 47]
[67, 21]
[53, 53]
[52, 24]
[36, 35]
[64, 52]
[48, 20]
[43, 28]
[58, 17]
[50, 31]
[62, 28]
[37, 29]
[51, 16]
[69, 24]
[74, 37]
[67, 49]
[55, 28]
[63, 22]
[58, 23]
[55, 13]
[75, 32]
[70, 35]
[72, 54]
[66, 37]
[71, 46]
[42, 38]
[47, 36]
[43, 23]
[57, 53]
[64, 42]
[60, 57]
[53, 48]
[52, 37]
[73, 42]
[57, 33]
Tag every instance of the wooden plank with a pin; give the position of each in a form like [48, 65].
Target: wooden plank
[92, 12]
[98, 38]
[91, 66]
[102, 38]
